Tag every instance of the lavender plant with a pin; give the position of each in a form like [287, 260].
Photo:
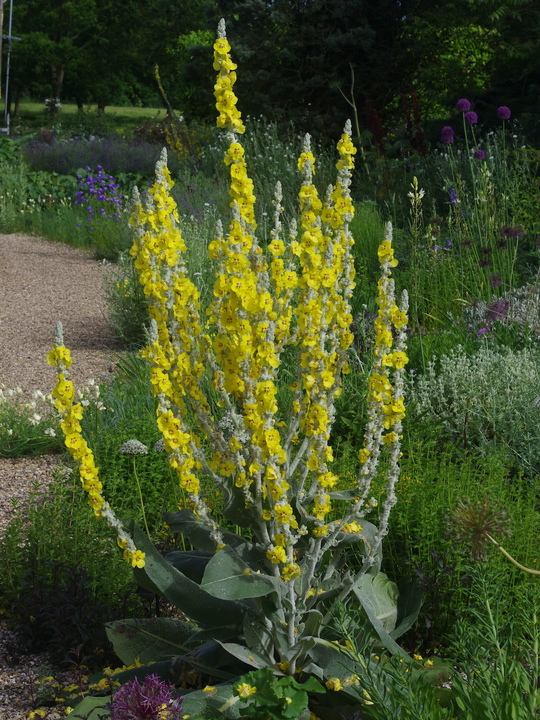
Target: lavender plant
[100, 195]
[260, 597]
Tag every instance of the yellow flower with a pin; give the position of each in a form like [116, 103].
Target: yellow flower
[244, 690]
[334, 684]
[276, 555]
[291, 571]
[59, 355]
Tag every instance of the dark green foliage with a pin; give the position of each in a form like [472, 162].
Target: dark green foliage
[296, 57]
[59, 608]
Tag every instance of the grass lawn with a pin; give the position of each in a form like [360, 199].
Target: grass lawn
[32, 115]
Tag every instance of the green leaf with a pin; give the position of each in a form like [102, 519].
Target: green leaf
[257, 636]
[91, 708]
[335, 661]
[198, 534]
[228, 577]
[234, 509]
[408, 607]
[190, 562]
[250, 657]
[374, 603]
[149, 639]
[199, 705]
[381, 595]
[182, 592]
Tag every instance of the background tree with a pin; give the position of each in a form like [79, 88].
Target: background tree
[297, 56]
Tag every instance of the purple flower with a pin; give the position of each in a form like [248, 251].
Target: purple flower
[479, 154]
[479, 334]
[503, 113]
[453, 197]
[497, 310]
[463, 105]
[447, 135]
[471, 118]
[495, 280]
[511, 232]
[145, 702]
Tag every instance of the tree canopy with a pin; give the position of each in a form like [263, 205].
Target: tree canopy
[305, 61]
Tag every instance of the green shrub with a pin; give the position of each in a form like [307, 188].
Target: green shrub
[422, 542]
[488, 399]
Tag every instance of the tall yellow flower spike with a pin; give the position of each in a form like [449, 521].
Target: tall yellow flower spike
[71, 413]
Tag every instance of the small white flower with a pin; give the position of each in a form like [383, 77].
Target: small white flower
[133, 447]
[50, 431]
[10, 431]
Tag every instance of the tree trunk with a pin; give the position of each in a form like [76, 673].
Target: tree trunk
[57, 79]
[101, 105]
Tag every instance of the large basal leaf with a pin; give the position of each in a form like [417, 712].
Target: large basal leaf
[149, 639]
[234, 509]
[365, 594]
[182, 592]
[408, 607]
[192, 563]
[228, 577]
[198, 534]
[381, 594]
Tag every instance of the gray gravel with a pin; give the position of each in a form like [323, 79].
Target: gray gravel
[41, 283]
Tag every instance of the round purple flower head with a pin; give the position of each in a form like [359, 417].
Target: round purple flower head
[463, 105]
[447, 135]
[471, 118]
[503, 113]
[479, 154]
[145, 702]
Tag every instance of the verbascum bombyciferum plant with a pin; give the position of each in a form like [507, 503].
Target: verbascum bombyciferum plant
[262, 597]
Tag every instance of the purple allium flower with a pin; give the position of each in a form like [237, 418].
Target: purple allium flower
[511, 232]
[145, 702]
[503, 112]
[485, 262]
[479, 154]
[463, 105]
[479, 334]
[471, 118]
[497, 310]
[495, 280]
[447, 135]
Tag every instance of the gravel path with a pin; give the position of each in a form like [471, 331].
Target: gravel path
[42, 283]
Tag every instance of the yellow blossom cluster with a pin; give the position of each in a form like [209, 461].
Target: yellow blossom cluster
[71, 414]
[323, 314]
[229, 115]
[174, 350]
